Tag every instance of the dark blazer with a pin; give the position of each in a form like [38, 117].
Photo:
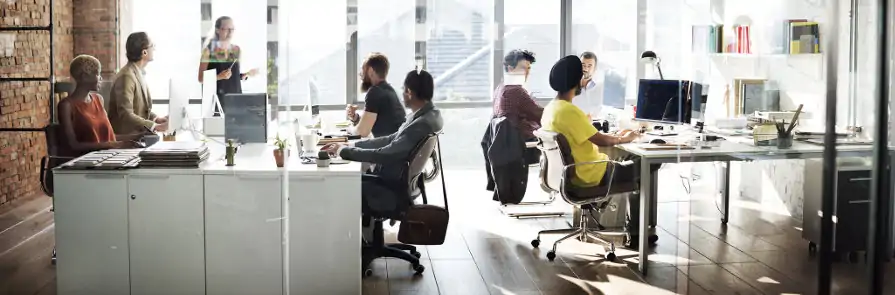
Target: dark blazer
[504, 148]
[390, 153]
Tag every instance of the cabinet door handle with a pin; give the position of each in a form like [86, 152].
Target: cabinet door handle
[859, 179]
[250, 176]
[311, 178]
[859, 202]
[133, 197]
[104, 176]
[152, 176]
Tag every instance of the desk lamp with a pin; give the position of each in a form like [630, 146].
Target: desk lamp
[650, 57]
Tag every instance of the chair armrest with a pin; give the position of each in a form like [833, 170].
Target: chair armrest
[620, 163]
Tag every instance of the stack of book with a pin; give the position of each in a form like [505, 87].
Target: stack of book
[105, 160]
[801, 36]
[174, 154]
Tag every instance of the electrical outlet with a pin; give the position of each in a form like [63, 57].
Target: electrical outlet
[7, 44]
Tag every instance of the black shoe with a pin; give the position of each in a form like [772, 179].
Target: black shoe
[633, 241]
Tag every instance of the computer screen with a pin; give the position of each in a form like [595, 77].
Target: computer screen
[668, 101]
[246, 117]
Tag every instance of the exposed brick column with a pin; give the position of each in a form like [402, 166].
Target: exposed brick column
[95, 28]
[25, 105]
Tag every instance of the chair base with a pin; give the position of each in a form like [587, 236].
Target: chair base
[544, 213]
[377, 248]
[581, 233]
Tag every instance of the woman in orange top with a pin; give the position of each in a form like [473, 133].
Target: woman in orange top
[83, 122]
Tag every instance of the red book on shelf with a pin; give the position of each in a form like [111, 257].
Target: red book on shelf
[743, 43]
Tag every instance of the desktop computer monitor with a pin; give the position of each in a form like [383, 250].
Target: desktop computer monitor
[181, 90]
[209, 92]
[668, 101]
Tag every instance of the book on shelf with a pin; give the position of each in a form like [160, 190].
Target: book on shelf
[804, 37]
[721, 39]
[787, 30]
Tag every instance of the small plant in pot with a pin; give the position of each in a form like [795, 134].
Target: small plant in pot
[281, 152]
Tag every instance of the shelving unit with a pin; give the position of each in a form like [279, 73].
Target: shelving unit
[51, 79]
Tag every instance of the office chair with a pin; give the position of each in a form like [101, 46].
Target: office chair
[47, 163]
[412, 186]
[557, 174]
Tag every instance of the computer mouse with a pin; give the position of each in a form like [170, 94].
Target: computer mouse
[657, 141]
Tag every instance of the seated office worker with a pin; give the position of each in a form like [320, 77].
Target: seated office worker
[383, 113]
[83, 124]
[390, 153]
[512, 100]
[130, 107]
[223, 56]
[589, 101]
[561, 116]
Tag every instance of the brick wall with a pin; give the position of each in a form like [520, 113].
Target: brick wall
[25, 105]
[95, 31]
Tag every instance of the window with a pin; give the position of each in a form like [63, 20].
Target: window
[388, 27]
[534, 25]
[458, 48]
[312, 38]
[608, 29]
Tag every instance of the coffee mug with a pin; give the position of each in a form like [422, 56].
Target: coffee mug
[309, 142]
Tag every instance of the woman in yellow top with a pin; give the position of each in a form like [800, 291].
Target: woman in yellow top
[563, 117]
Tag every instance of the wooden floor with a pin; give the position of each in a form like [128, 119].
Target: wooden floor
[488, 253]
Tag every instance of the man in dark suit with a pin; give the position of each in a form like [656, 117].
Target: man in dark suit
[389, 154]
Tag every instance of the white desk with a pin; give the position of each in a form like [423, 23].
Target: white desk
[730, 151]
[210, 230]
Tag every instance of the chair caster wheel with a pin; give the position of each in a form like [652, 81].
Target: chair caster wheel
[416, 254]
[535, 243]
[368, 272]
[611, 257]
[53, 261]
[551, 255]
[419, 269]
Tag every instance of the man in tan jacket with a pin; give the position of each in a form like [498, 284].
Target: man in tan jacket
[130, 106]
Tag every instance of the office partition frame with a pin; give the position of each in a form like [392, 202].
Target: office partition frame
[880, 203]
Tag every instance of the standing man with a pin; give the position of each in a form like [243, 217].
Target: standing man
[512, 100]
[383, 112]
[590, 101]
[130, 105]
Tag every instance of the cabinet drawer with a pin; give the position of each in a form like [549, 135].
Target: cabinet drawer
[853, 186]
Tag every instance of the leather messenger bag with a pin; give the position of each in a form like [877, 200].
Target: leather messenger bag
[425, 224]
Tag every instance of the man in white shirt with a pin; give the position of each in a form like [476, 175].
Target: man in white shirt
[590, 100]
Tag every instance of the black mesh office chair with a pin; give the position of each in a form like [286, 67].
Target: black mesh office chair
[412, 186]
[558, 170]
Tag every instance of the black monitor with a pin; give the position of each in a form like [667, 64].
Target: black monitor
[668, 101]
[245, 117]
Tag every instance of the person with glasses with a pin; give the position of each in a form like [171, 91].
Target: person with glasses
[512, 100]
[83, 124]
[383, 113]
[130, 105]
[220, 54]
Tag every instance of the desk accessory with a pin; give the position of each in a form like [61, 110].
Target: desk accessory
[322, 159]
[231, 152]
[281, 152]
[170, 137]
[784, 133]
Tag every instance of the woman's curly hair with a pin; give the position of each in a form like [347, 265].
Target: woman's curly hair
[84, 67]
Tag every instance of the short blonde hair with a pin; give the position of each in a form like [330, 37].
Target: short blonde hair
[84, 66]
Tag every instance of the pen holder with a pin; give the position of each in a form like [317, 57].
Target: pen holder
[169, 137]
[784, 141]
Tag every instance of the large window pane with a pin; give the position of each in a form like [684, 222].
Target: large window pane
[387, 27]
[458, 48]
[250, 24]
[311, 64]
[534, 25]
[608, 29]
[176, 40]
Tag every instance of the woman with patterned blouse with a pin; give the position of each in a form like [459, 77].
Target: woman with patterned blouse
[223, 56]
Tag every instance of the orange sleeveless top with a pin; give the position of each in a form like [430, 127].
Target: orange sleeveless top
[90, 122]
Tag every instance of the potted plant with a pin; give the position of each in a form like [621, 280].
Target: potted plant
[280, 153]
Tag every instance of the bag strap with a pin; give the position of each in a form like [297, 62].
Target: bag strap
[422, 186]
[443, 184]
